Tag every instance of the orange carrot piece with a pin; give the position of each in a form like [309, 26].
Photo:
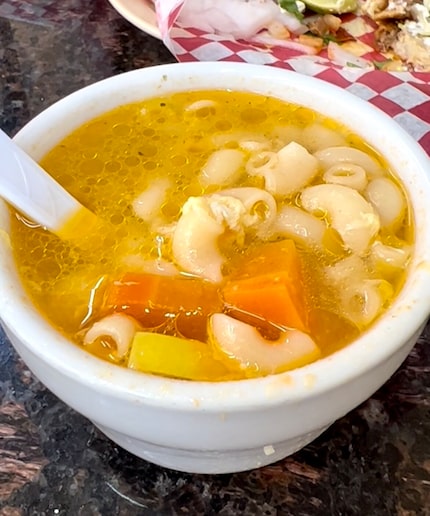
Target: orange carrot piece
[270, 285]
[152, 298]
[132, 290]
[271, 257]
[311, 41]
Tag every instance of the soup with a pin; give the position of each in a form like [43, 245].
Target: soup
[240, 236]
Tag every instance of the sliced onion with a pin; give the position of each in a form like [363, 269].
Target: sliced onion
[264, 38]
[292, 23]
[344, 58]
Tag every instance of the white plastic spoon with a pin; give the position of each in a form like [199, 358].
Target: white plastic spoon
[32, 191]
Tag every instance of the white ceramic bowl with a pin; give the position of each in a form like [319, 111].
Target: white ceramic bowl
[230, 426]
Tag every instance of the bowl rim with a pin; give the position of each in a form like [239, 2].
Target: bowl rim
[311, 380]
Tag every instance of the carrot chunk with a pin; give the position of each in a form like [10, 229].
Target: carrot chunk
[155, 299]
[270, 285]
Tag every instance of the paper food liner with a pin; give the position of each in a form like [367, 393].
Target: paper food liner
[405, 96]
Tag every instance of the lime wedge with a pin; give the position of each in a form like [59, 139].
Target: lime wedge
[331, 6]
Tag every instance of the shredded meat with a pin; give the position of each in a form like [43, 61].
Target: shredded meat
[413, 51]
[324, 25]
[329, 25]
[386, 35]
[388, 9]
[392, 34]
[373, 7]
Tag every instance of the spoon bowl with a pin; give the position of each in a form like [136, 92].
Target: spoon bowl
[32, 191]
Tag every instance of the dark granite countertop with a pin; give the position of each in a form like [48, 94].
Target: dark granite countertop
[373, 462]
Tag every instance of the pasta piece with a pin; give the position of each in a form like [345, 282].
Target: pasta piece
[223, 167]
[350, 267]
[243, 140]
[316, 137]
[389, 257]
[346, 210]
[295, 223]
[287, 134]
[200, 104]
[262, 163]
[254, 144]
[335, 155]
[363, 302]
[387, 199]
[227, 210]
[363, 298]
[194, 243]
[162, 229]
[147, 205]
[195, 239]
[243, 344]
[260, 208]
[286, 171]
[347, 174]
[117, 328]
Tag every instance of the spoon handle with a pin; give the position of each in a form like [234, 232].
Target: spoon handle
[31, 190]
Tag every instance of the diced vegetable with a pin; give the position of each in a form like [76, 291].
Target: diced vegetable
[312, 41]
[271, 286]
[152, 299]
[171, 356]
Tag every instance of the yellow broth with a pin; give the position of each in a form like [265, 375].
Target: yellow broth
[110, 160]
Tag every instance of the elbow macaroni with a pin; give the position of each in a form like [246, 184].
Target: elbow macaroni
[347, 212]
[295, 223]
[336, 155]
[387, 199]
[223, 167]
[316, 137]
[260, 207]
[119, 328]
[346, 174]
[195, 241]
[363, 302]
[146, 206]
[285, 172]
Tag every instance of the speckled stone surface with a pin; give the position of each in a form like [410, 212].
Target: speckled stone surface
[373, 462]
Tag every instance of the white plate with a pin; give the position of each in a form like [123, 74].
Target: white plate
[140, 13]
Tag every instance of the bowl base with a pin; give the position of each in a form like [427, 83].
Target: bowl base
[210, 461]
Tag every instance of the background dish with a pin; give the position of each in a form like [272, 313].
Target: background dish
[140, 13]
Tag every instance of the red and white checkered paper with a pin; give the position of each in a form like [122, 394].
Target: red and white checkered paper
[405, 96]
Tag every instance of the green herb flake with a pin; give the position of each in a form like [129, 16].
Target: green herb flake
[291, 7]
[380, 65]
[329, 37]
